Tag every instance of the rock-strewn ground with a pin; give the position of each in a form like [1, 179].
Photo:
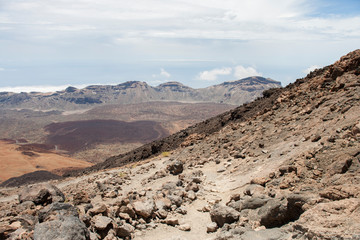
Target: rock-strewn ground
[290, 171]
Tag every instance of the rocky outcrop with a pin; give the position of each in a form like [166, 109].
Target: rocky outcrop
[41, 194]
[222, 214]
[65, 228]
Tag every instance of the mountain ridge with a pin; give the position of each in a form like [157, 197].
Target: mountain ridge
[244, 90]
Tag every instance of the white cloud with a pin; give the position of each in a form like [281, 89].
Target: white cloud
[213, 74]
[164, 73]
[43, 89]
[2, 69]
[311, 68]
[228, 19]
[243, 72]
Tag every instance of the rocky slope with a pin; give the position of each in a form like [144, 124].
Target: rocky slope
[283, 167]
[237, 92]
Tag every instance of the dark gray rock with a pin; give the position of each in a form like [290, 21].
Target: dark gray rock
[66, 228]
[249, 203]
[176, 168]
[273, 213]
[223, 214]
[41, 194]
[56, 211]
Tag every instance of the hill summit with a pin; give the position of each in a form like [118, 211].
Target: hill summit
[285, 166]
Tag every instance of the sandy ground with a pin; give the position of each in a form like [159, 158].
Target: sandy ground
[13, 163]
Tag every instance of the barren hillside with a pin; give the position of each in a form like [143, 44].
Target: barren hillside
[283, 167]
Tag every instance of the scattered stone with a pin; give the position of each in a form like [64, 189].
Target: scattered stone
[316, 138]
[98, 209]
[185, 227]
[124, 231]
[191, 195]
[260, 181]
[101, 222]
[211, 227]
[162, 213]
[172, 221]
[192, 186]
[144, 208]
[128, 209]
[176, 168]
[81, 197]
[162, 203]
[223, 214]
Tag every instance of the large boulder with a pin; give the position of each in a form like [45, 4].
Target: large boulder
[56, 211]
[144, 209]
[223, 214]
[60, 221]
[273, 213]
[41, 194]
[66, 228]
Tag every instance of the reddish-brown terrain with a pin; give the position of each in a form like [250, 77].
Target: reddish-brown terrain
[17, 160]
[100, 132]
[76, 135]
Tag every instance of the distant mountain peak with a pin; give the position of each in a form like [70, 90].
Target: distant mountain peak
[171, 84]
[235, 93]
[253, 80]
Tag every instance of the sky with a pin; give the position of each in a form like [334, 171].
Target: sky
[47, 45]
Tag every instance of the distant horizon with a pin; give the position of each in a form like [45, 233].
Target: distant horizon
[198, 43]
[54, 88]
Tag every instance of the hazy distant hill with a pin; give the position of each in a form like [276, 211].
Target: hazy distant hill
[236, 93]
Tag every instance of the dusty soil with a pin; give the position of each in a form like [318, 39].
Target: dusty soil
[15, 161]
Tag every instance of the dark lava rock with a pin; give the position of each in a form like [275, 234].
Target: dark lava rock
[30, 178]
[56, 211]
[41, 194]
[66, 228]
